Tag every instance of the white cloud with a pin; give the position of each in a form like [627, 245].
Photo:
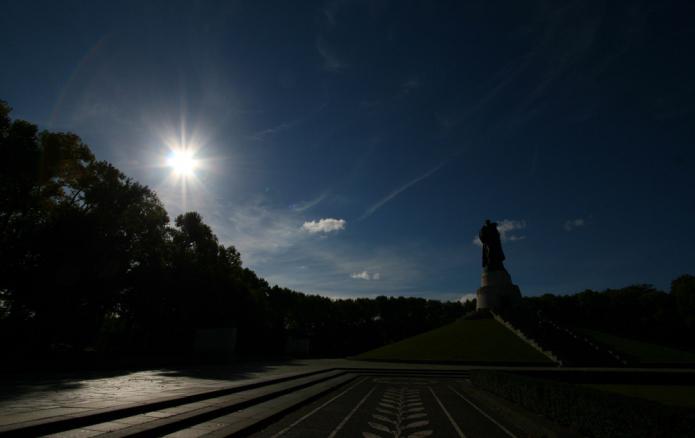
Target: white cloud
[571, 224]
[365, 275]
[506, 226]
[326, 225]
[467, 297]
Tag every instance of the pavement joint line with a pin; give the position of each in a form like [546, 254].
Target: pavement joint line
[352, 412]
[441, 405]
[507, 431]
[318, 409]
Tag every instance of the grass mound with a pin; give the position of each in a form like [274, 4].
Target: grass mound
[466, 340]
[642, 352]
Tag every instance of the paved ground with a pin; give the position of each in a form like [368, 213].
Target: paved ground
[372, 407]
[393, 407]
[30, 396]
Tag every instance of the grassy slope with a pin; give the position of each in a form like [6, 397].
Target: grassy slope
[477, 340]
[644, 352]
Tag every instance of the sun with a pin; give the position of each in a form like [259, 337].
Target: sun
[182, 162]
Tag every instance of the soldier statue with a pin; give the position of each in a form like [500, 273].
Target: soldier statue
[493, 256]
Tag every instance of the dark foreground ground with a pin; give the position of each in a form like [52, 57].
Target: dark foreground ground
[377, 406]
[307, 398]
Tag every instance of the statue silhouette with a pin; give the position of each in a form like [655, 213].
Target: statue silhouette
[493, 256]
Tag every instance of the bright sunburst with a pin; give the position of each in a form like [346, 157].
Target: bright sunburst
[182, 162]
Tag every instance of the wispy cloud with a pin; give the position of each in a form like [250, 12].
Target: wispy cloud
[371, 210]
[274, 130]
[326, 225]
[285, 126]
[275, 243]
[572, 224]
[410, 85]
[330, 266]
[331, 60]
[260, 231]
[306, 205]
[366, 275]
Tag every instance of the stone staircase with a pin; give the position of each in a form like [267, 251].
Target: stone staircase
[570, 348]
[237, 410]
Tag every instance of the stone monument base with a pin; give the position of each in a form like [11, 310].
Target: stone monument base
[497, 291]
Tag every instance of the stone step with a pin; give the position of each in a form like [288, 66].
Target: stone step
[256, 417]
[50, 425]
[184, 416]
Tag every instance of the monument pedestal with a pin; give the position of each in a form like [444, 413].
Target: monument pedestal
[497, 290]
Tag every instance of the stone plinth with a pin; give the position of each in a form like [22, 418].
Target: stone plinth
[497, 290]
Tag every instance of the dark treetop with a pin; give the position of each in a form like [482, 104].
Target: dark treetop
[493, 256]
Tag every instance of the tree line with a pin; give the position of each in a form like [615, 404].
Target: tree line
[90, 259]
[639, 312]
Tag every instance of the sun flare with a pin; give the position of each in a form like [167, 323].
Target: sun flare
[182, 162]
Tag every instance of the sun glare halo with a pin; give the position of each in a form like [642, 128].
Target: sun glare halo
[182, 162]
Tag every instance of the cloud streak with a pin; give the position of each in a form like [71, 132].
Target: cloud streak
[275, 129]
[371, 210]
[306, 205]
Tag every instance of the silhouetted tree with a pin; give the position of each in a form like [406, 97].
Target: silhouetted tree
[683, 290]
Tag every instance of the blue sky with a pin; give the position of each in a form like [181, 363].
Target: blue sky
[354, 148]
